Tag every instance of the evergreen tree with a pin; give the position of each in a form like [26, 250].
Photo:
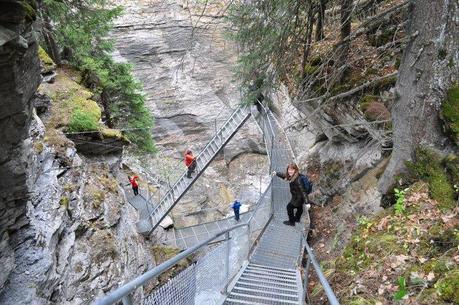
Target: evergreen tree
[77, 32]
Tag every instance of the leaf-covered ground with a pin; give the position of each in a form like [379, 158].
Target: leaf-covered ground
[410, 257]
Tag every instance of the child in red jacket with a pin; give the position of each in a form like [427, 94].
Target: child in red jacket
[134, 184]
[190, 162]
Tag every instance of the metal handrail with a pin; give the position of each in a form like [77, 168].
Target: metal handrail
[171, 189]
[252, 213]
[128, 288]
[332, 299]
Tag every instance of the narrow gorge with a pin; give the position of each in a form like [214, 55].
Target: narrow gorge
[366, 92]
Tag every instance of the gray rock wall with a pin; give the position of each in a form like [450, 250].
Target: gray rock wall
[19, 78]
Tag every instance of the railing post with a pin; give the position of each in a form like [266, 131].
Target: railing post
[228, 248]
[249, 227]
[306, 281]
[127, 300]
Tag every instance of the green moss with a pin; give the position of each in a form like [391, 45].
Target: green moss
[310, 69]
[448, 287]
[82, 121]
[428, 167]
[113, 133]
[340, 88]
[38, 147]
[47, 62]
[315, 61]
[366, 100]
[384, 242]
[438, 266]
[110, 184]
[44, 57]
[98, 198]
[450, 112]
[358, 300]
[69, 187]
[85, 116]
[88, 106]
[64, 202]
[30, 9]
[384, 84]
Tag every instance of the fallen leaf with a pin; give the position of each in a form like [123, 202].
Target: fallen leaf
[430, 276]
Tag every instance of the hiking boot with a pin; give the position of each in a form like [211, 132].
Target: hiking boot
[297, 220]
[289, 223]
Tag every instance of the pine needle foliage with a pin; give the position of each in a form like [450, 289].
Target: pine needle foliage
[80, 30]
[271, 35]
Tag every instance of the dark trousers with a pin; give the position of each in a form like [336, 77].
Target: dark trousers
[191, 169]
[236, 214]
[292, 217]
[135, 189]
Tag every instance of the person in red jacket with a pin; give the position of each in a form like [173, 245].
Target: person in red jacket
[134, 184]
[190, 162]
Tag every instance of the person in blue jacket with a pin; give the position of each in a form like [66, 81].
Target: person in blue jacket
[236, 207]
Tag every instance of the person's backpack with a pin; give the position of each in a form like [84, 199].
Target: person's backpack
[307, 184]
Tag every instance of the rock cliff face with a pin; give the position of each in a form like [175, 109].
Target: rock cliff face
[66, 234]
[19, 78]
[185, 64]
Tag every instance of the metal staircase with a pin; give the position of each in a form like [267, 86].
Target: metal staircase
[243, 268]
[180, 187]
[260, 284]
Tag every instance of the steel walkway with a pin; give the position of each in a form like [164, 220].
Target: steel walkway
[187, 237]
[256, 262]
[272, 276]
[180, 187]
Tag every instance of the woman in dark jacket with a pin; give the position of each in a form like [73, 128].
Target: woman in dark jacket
[292, 175]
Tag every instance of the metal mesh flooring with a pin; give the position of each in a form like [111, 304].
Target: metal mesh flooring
[271, 277]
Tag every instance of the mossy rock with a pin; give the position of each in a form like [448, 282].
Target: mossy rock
[429, 167]
[47, 62]
[436, 265]
[88, 106]
[450, 112]
[448, 287]
[38, 147]
[64, 202]
[85, 116]
[113, 134]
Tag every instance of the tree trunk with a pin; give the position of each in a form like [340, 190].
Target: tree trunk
[428, 68]
[308, 40]
[321, 20]
[345, 31]
[51, 45]
[105, 101]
